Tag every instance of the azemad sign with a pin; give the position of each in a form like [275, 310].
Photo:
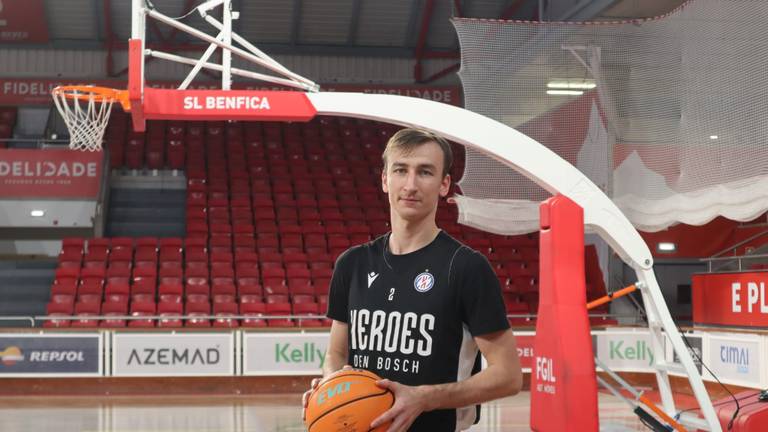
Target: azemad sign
[173, 354]
[629, 351]
[735, 359]
[50, 355]
[284, 353]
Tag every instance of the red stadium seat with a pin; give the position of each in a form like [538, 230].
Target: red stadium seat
[196, 310]
[141, 309]
[67, 287]
[117, 292]
[170, 313]
[307, 309]
[223, 311]
[113, 309]
[98, 250]
[277, 309]
[170, 292]
[254, 314]
[84, 310]
[60, 309]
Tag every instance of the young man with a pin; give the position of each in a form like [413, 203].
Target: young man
[414, 305]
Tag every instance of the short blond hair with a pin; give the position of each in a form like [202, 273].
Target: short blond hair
[406, 140]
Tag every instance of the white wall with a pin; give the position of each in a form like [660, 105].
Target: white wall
[58, 214]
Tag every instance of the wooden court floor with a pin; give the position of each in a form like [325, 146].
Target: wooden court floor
[252, 413]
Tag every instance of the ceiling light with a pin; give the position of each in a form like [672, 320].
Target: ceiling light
[666, 247]
[565, 92]
[572, 84]
[37, 213]
[713, 137]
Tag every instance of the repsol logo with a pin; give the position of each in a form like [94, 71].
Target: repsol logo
[56, 356]
[406, 333]
[173, 356]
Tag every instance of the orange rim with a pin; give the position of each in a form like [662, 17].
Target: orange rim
[100, 94]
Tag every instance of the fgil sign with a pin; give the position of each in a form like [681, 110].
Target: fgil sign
[59, 173]
[625, 351]
[173, 354]
[546, 381]
[284, 353]
[731, 299]
[161, 104]
[50, 355]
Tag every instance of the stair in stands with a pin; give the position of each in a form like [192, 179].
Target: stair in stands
[146, 212]
[25, 287]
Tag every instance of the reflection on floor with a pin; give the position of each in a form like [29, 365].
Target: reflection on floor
[278, 413]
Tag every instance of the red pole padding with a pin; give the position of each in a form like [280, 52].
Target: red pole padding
[563, 382]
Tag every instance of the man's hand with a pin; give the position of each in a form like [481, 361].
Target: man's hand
[410, 402]
[306, 395]
[312, 387]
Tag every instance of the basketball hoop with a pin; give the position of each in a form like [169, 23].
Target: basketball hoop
[85, 110]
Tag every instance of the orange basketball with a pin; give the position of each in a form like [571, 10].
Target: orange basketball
[348, 401]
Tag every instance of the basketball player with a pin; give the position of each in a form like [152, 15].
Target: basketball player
[415, 305]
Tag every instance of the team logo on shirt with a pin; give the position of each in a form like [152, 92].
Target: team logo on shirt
[424, 282]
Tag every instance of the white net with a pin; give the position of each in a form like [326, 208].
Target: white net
[667, 115]
[86, 116]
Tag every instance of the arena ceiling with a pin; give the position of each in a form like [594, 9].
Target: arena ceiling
[391, 28]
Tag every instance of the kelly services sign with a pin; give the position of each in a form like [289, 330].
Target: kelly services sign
[730, 299]
[41, 355]
[173, 354]
[625, 351]
[49, 173]
[284, 353]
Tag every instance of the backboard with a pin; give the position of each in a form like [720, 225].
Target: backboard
[147, 103]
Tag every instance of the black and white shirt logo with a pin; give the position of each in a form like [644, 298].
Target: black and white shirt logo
[372, 277]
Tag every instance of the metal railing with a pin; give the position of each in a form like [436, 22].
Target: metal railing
[40, 143]
[738, 259]
[35, 320]
[19, 318]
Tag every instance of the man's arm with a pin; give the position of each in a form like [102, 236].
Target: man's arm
[338, 348]
[335, 359]
[502, 377]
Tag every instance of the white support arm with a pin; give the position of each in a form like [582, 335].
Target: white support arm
[508, 146]
[218, 68]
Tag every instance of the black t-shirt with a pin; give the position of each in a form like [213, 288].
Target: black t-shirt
[412, 317]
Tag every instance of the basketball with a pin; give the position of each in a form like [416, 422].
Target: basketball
[348, 401]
